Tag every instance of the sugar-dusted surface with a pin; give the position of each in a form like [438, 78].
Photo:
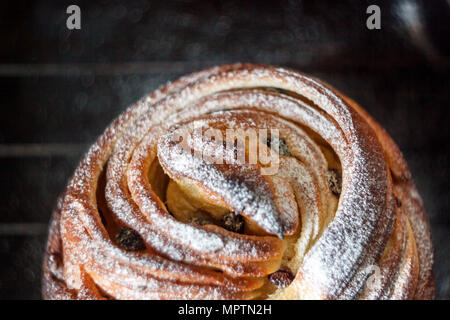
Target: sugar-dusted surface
[65, 87]
[339, 246]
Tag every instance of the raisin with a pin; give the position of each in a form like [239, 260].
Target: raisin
[281, 278]
[233, 222]
[130, 240]
[335, 181]
[283, 149]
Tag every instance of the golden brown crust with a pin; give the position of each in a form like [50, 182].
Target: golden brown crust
[377, 222]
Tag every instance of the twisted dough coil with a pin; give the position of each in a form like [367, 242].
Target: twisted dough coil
[133, 178]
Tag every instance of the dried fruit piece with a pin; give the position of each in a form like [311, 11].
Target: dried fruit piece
[335, 181]
[233, 222]
[282, 278]
[130, 240]
[283, 149]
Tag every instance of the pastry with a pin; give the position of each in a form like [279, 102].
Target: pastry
[241, 182]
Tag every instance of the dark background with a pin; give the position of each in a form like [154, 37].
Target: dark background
[59, 89]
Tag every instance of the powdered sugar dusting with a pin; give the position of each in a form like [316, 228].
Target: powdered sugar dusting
[82, 260]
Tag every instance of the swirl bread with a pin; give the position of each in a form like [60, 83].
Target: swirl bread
[143, 218]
